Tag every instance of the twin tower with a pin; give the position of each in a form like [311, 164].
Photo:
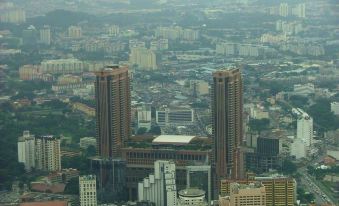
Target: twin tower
[113, 118]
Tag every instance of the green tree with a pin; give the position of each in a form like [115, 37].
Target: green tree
[156, 130]
[288, 167]
[72, 187]
[142, 130]
[259, 124]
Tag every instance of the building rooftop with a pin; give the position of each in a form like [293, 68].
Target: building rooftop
[173, 139]
[191, 192]
[47, 203]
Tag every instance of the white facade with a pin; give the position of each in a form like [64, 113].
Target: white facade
[283, 9]
[192, 197]
[144, 117]
[175, 116]
[303, 89]
[62, 66]
[26, 150]
[298, 149]
[45, 35]
[48, 157]
[299, 10]
[335, 108]
[113, 30]
[74, 32]
[144, 58]
[177, 33]
[305, 129]
[15, 16]
[160, 187]
[88, 190]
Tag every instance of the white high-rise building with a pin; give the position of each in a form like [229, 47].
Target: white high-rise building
[113, 30]
[299, 10]
[335, 108]
[15, 16]
[45, 35]
[283, 9]
[26, 150]
[144, 116]
[74, 32]
[298, 149]
[160, 187]
[48, 153]
[305, 129]
[88, 190]
[144, 58]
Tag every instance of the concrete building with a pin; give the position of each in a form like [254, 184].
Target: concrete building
[62, 66]
[174, 116]
[177, 148]
[298, 149]
[134, 43]
[15, 16]
[303, 89]
[45, 35]
[191, 197]
[199, 176]
[48, 156]
[145, 59]
[160, 187]
[144, 116]
[111, 179]
[253, 194]
[26, 150]
[74, 32]
[113, 30]
[88, 190]
[335, 108]
[299, 10]
[85, 142]
[280, 190]
[159, 45]
[228, 49]
[283, 9]
[227, 123]
[199, 87]
[113, 110]
[305, 128]
[177, 33]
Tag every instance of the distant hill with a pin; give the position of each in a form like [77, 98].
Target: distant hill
[61, 18]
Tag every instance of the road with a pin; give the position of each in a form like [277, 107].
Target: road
[312, 187]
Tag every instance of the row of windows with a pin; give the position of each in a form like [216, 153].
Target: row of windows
[165, 156]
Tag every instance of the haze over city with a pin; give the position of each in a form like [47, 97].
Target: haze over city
[169, 102]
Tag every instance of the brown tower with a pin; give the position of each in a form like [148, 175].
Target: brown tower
[227, 107]
[113, 110]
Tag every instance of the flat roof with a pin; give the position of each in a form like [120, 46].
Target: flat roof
[173, 139]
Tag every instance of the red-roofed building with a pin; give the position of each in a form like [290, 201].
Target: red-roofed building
[46, 203]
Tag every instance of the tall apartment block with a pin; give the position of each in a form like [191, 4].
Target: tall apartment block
[113, 110]
[26, 150]
[227, 107]
[87, 190]
[45, 35]
[159, 187]
[280, 191]
[47, 153]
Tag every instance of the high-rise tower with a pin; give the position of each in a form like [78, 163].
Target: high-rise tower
[227, 107]
[113, 110]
